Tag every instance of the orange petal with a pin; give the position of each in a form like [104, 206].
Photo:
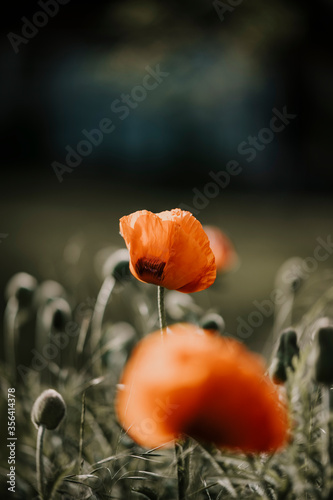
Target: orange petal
[169, 249]
[225, 255]
[208, 387]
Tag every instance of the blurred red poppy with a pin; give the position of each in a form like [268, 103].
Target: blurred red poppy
[169, 249]
[226, 257]
[210, 388]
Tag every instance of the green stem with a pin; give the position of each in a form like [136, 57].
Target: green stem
[39, 461]
[83, 412]
[182, 468]
[98, 315]
[181, 460]
[161, 309]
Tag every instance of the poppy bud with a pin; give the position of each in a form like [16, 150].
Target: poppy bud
[62, 314]
[324, 346]
[21, 286]
[56, 313]
[48, 410]
[290, 274]
[117, 265]
[48, 290]
[287, 350]
[214, 322]
[322, 322]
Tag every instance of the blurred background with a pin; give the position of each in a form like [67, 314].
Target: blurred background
[78, 71]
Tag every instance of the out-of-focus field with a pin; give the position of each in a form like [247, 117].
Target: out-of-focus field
[57, 237]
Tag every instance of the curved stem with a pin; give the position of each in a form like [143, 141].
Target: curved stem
[98, 314]
[39, 461]
[161, 309]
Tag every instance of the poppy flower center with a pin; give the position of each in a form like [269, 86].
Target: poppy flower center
[152, 267]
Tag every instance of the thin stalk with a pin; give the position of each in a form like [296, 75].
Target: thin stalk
[39, 461]
[83, 413]
[161, 309]
[182, 461]
[328, 451]
[98, 314]
[182, 468]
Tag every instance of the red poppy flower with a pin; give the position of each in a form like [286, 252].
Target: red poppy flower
[169, 249]
[211, 388]
[225, 255]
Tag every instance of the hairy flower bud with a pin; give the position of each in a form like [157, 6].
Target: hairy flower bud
[57, 313]
[324, 346]
[117, 265]
[48, 410]
[213, 322]
[287, 350]
[48, 290]
[291, 274]
[21, 286]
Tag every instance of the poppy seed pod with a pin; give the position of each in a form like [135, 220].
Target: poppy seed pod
[48, 410]
[287, 350]
[213, 322]
[21, 286]
[324, 345]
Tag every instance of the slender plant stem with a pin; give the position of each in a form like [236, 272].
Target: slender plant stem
[39, 461]
[161, 309]
[182, 470]
[98, 314]
[181, 460]
[83, 412]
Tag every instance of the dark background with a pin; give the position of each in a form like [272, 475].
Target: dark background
[225, 77]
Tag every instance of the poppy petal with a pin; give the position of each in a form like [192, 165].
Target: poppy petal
[148, 241]
[169, 249]
[208, 387]
[226, 257]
